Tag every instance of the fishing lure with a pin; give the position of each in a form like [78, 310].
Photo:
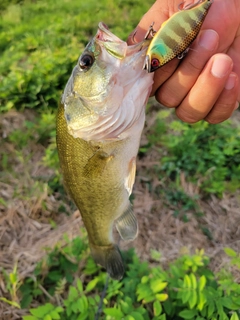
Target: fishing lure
[175, 35]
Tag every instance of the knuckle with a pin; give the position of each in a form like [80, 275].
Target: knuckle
[220, 113]
[167, 99]
[188, 116]
[212, 120]
[193, 64]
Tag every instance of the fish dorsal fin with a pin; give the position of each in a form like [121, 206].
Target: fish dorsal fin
[127, 225]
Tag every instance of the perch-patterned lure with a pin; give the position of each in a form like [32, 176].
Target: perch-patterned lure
[175, 35]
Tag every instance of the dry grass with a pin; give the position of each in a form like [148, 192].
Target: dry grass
[30, 221]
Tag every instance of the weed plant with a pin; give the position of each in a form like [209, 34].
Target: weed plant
[207, 154]
[69, 285]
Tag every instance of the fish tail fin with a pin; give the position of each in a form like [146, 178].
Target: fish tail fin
[110, 258]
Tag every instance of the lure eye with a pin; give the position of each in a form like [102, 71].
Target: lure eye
[155, 63]
[86, 61]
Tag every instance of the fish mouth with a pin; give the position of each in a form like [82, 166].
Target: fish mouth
[105, 35]
[114, 45]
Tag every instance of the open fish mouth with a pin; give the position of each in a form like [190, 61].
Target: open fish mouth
[105, 35]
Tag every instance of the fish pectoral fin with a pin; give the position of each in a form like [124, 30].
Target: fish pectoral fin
[110, 258]
[96, 164]
[127, 225]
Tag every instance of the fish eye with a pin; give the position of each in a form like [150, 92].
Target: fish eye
[86, 61]
[155, 63]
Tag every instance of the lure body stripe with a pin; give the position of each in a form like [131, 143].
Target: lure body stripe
[175, 35]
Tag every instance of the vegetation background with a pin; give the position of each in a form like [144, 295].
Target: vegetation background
[186, 194]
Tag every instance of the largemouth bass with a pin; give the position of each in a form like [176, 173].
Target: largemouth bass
[99, 124]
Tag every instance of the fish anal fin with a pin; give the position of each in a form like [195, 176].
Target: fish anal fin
[110, 258]
[96, 164]
[127, 225]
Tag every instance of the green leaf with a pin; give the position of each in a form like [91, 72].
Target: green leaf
[77, 306]
[54, 315]
[41, 311]
[59, 309]
[83, 316]
[26, 301]
[193, 281]
[168, 307]
[155, 255]
[83, 302]
[144, 279]
[126, 307]
[158, 285]
[188, 314]
[12, 303]
[79, 285]
[187, 281]
[30, 318]
[136, 315]
[230, 252]
[13, 278]
[157, 308]
[211, 308]
[193, 299]
[143, 291]
[149, 298]
[185, 295]
[113, 312]
[202, 282]
[234, 316]
[228, 303]
[175, 271]
[47, 317]
[92, 284]
[161, 297]
[201, 301]
[73, 293]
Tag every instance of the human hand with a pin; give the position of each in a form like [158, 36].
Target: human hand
[205, 84]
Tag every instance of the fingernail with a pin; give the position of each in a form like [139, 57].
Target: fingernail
[236, 106]
[209, 40]
[231, 81]
[221, 66]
